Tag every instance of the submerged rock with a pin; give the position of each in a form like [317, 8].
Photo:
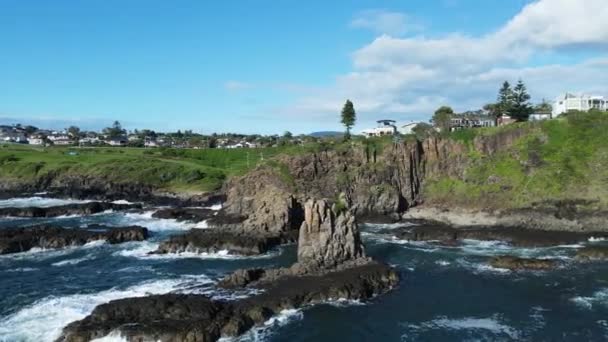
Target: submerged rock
[215, 240]
[87, 208]
[16, 240]
[592, 253]
[519, 264]
[520, 237]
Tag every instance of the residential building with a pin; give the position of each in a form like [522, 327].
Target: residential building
[60, 139]
[385, 127]
[466, 120]
[149, 142]
[89, 141]
[408, 127]
[540, 116]
[36, 139]
[505, 120]
[569, 102]
[13, 137]
[117, 141]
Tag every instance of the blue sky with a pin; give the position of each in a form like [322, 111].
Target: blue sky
[269, 66]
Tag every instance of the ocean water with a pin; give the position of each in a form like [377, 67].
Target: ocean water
[446, 293]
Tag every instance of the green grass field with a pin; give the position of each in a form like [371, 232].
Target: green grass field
[171, 169]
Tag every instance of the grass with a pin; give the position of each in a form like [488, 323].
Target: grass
[555, 159]
[170, 169]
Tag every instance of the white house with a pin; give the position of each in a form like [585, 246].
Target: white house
[60, 139]
[118, 141]
[35, 139]
[540, 116]
[582, 102]
[385, 127]
[408, 127]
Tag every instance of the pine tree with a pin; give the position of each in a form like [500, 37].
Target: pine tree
[505, 99]
[349, 116]
[521, 108]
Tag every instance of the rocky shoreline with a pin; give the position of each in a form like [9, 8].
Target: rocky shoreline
[88, 208]
[331, 265]
[17, 240]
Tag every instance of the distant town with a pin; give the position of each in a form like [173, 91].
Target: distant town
[512, 106]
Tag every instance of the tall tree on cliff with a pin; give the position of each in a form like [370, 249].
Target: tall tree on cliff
[521, 108]
[505, 99]
[349, 116]
[442, 117]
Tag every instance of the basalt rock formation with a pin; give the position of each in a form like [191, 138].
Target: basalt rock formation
[521, 264]
[216, 240]
[16, 240]
[87, 208]
[331, 265]
[521, 237]
[184, 214]
[592, 253]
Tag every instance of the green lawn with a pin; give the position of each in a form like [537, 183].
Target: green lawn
[171, 169]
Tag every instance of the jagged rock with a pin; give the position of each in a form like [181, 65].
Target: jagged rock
[184, 214]
[16, 240]
[174, 317]
[520, 237]
[519, 264]
[87, 208]
[592, 253]
[215, 240]
[328, 236]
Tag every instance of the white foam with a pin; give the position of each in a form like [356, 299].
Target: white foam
[491, 324]
[114, 336]
[443, 263]
[216, 207]
[37, 201]
[344, 302]
[262, 333]
[145, 219]
[72, 261]
[44, 319]
[122, 202]
[594, 239]
[598, 298]
[22, 269]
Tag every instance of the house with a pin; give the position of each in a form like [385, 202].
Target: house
[385, 127]
[133, 138]
[13, 137]
[471, 120]
[569, 102]
[149, 142]
[60, 139]
[505, 120]
[36, 139]
[89, 140]
[117, 141]
[540, 116]
[408, 127]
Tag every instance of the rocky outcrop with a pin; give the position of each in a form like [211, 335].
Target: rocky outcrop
[521, 264]
[328, 236]
[331, 265]
[88, 208]
[520, 237]
[231, 241]
[16, 240]
[175, 317]
[592, 253]
[184, 214]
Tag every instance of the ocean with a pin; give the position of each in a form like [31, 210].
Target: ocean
[445, 293]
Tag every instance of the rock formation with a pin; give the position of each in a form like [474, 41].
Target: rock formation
[592, 253]
[87, 208]
[16, 240]
[520, 264]
[184, 214]
[331, 265]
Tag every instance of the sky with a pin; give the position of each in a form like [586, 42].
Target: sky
[262, 66]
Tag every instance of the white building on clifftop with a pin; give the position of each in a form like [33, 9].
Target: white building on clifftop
[582, 102]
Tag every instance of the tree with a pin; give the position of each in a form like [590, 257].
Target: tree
[544, 107]
[287, 135]
[521, 108]
[349, 116]
[505, 99]
[422, 131]
[442, 117]
[492, 109]
[74, 132]
[115, 131]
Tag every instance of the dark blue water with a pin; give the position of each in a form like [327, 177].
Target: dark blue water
[446, 294]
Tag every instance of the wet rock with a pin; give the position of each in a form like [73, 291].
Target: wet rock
[184, 214]
[520, 264]
[88, 208]
[520, 237]
[216, 240]
[592, 253]
[174, 317]
[16, 240]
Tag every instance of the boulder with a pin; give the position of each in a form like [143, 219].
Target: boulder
[592, 253]
[184, 214]
[16, 240]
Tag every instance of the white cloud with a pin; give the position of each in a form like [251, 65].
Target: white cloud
[385, 22]
[409, 77]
